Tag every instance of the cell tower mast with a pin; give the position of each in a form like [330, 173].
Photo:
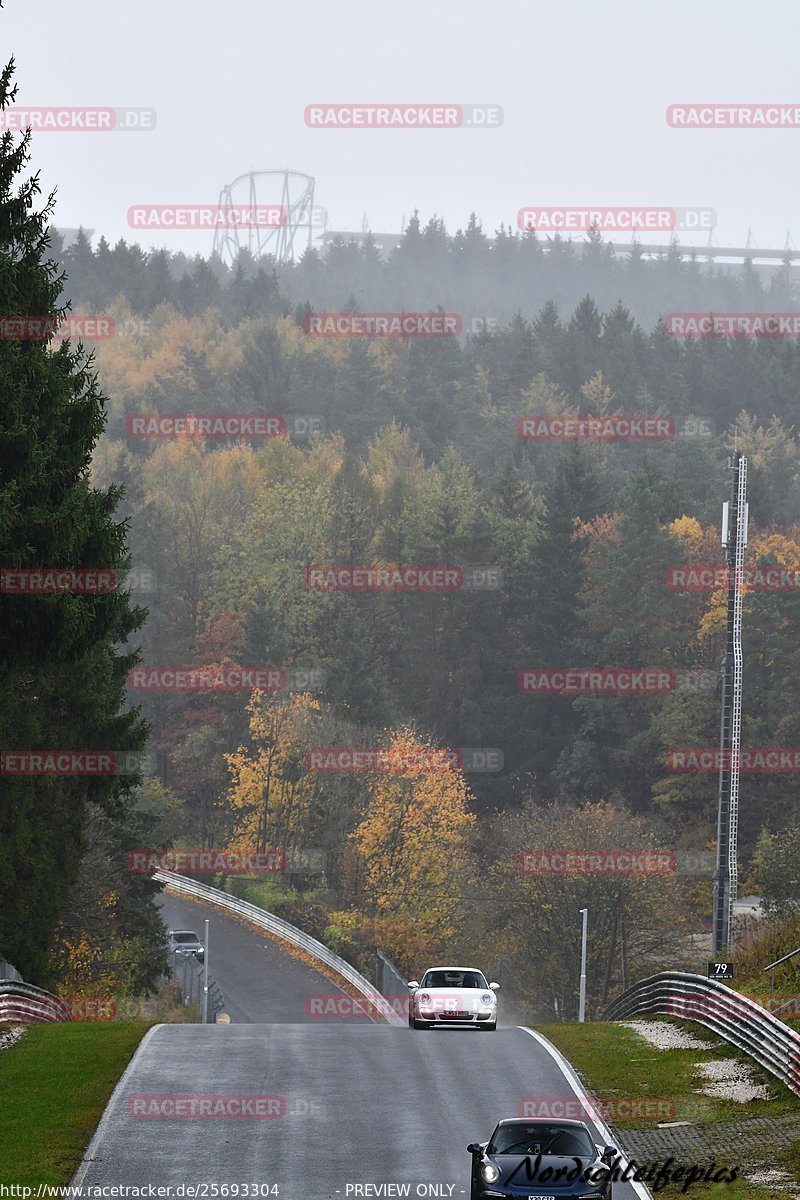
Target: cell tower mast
[734, 541]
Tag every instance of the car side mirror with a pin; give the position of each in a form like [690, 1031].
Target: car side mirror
[413, 983]
[473, 1148]
[609, 1152]
[494, 986]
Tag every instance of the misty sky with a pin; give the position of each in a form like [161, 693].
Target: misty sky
[584, 89]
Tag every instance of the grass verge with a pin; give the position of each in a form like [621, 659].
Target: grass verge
[54, 1084]
[617, 1064]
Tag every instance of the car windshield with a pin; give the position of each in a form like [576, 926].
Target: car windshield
[453, 979]
[541, 1137]
[185, 937]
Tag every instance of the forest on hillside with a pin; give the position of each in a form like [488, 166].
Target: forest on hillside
[397, 452]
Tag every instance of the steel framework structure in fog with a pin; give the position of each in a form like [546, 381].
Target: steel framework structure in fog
[292, 191]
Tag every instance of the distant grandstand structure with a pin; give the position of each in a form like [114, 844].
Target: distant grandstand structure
[707, 252]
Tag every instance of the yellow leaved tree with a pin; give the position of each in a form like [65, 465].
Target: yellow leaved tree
[271, 795]
[412, 852]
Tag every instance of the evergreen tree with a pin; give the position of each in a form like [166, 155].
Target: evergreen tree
[554, 581]
[62, 677]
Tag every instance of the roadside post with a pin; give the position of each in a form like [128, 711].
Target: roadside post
[582, 1000]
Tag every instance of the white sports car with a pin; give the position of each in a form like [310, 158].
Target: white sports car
[458, 996]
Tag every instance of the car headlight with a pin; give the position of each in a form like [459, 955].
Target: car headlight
[490, 1172]
[424, 998]
[487, 999]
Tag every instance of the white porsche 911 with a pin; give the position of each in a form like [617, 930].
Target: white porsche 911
[458, 996]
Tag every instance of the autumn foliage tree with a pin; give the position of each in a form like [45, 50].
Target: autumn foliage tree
[271, 793]
[413, 851]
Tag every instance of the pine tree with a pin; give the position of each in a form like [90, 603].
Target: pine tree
[557, 576]
[62, 678]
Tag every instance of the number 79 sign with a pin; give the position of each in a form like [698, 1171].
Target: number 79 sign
[720, 970]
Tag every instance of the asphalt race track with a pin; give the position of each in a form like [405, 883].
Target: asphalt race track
[360, 1104]
[350, 1102]
[260, 982]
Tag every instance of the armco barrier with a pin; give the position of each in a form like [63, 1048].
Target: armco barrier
[24, 1003]
[190, 977]
[736, 1018]
[285, 932]
[392, 980]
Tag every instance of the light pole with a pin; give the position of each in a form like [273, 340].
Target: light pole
[582, 999]
[734, 541]
[205, 977]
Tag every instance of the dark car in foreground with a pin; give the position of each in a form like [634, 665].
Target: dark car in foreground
[541, 1160]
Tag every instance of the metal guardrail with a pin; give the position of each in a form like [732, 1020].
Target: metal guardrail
[285, 932]
[771, 968]
[25, 1003]
[736, 1018]
[393, 984]
[9, 971]
[190, 977]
